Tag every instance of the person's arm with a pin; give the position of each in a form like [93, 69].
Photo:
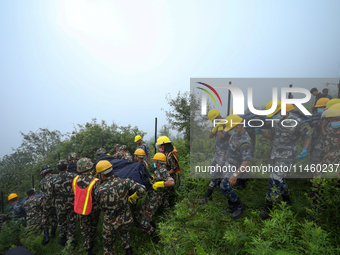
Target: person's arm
[246, 151]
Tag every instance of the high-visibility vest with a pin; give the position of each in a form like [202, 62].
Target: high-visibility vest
[83, 197]
[176, 160]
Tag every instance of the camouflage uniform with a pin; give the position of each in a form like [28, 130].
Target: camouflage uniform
[49, 210]
[283, 153]
[153, 200]
[219, 157]
[17, 213]
[3, 219]
[331, 149]
[128, 157]
[89, 223]
[112, 198]
[239, 150]
[317, 121]
[33, 209]
[62, 193]
[146, 149]
[169, 194]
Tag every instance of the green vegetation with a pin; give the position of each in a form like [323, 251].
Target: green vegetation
[306, 227]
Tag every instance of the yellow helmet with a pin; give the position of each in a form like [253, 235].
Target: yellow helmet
[333, 111]
[332, 102]
[11, 196]
[159, 156]
[232, 121]
[289, 107]
[103, 167]
[140, 153]
[212, 114]
[322, 102]
[137, 138]
[162, 140]
[269, 105]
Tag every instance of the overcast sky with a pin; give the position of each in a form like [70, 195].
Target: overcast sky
[66, 62]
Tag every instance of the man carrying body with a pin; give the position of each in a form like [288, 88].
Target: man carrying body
[126, 154]
[49, 210]
[62, 193]
[113, 197]
[85, 205]
[221, 145]
[283, 153]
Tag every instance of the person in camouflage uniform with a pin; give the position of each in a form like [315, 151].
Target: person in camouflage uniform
[239, 156]
[221, 145]
[331, 131]
[33, 209]
[117, 154]
[126, 154]
[16, 211]
[61, 191]
[166, 147]
[3, 219]
[143, 146]
[88, 223]
[113, 197]
[49, 210]
[162, 181]
[139, 157]
[316, 134]
[72, 160]
[285, 140]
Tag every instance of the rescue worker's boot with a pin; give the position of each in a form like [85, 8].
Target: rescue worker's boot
[286, 198]
[266, 210]
[230, 209]
[207, 196]
[62, 241]
[242, 184]
[239, 209]
[46, 238]
[155, 238]
[53, 230]
[128, 251]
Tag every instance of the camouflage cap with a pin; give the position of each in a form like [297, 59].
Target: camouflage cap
[117, 145]
[72, 156]
[62, 162]
[123, 147]
[46, 169]
[84, 164]
[100, 151]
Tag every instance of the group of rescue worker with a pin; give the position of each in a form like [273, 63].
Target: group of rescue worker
[84, 189]
[234, 146]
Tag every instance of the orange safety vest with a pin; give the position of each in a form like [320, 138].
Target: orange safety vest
[176, 160]
[83, 197]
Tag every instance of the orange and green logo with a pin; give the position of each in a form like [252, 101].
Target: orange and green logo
[209, 93]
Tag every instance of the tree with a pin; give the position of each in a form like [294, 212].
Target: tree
[39, 144]
[184, 114]
[165, 131]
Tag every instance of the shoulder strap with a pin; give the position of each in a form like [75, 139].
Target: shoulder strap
[75, 183]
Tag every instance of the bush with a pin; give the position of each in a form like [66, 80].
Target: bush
[325, 203]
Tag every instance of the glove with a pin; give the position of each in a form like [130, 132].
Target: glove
[157, 185]
[133, 198]
[152, 178]
[218, 127]
[303, 153]
[258, 131]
